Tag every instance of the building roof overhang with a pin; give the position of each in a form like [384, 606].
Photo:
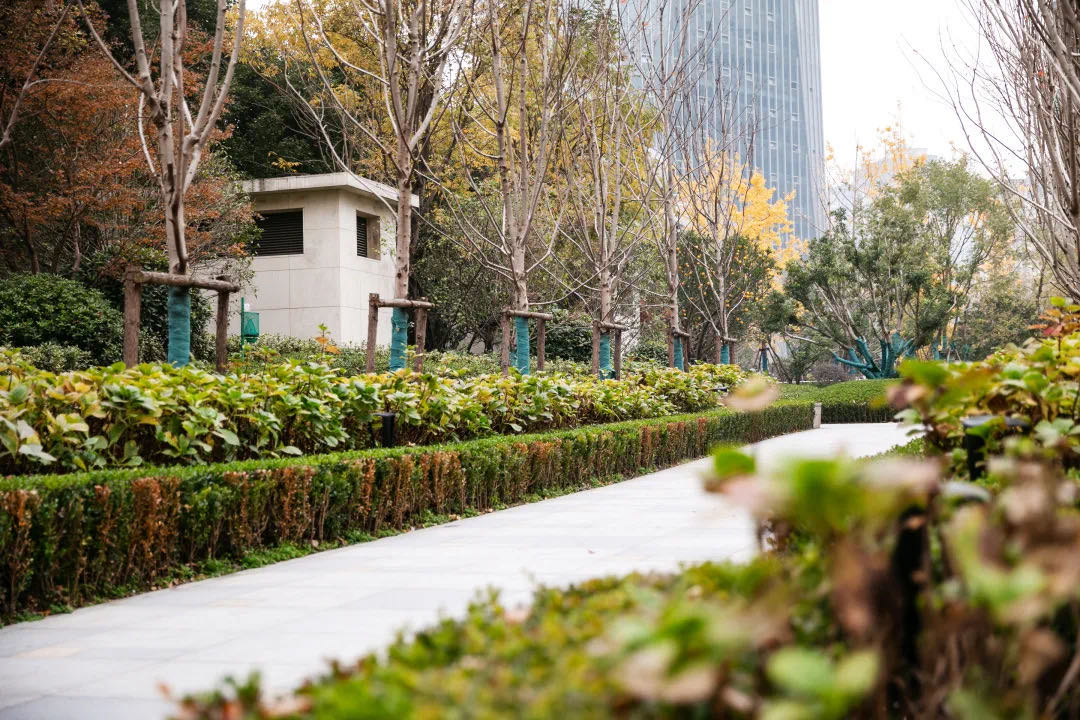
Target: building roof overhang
[327, 181]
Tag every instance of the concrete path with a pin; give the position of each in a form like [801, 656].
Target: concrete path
[286, 619]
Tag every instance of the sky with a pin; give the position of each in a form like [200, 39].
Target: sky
[872, 75]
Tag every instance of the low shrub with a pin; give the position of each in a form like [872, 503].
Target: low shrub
[56, 358]
[1028, 395]
[46, 308]
[854, 401]
[67, 538]
[158, 414]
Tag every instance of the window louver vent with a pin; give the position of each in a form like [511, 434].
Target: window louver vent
[282, 234]
[361, 236]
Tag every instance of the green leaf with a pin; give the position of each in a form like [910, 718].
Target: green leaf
[800, 671]
[34, 450]
[857, 674]
[730, 461]
[291, 450]
[228, 436]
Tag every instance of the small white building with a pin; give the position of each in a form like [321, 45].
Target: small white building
[327, 242]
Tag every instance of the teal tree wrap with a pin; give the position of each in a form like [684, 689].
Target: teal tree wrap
[606, 372]
[179, 326]
[725, 355]
[680, 362]
[521, 354]
[399, 338]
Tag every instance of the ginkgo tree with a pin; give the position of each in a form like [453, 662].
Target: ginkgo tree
[739, 231]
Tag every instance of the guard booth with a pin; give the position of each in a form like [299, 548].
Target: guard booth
[327, 244]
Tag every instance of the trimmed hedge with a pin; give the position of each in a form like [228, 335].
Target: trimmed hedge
[856, 401]
[66, 539]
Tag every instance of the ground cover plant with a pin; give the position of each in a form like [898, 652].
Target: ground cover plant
[886, 589]
[157, 414]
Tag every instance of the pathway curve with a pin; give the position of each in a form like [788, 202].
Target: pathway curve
[286, 619]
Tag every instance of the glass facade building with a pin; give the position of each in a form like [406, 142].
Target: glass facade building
[765, 61]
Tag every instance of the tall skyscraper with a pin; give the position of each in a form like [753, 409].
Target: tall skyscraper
[765, 61]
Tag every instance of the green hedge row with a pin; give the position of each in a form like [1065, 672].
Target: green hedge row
[65, 539]
[857, 401]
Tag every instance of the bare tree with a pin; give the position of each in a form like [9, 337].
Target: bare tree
[181, 136]
[604, 157]
[1018, 97]
[514, 113]
[670, 45]
[412, 46]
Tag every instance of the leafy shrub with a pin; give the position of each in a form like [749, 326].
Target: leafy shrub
[1030, 393]
[827, 372]
[56, 358]
[650, 350]
[67, 538]
[110, 417]
[568, 337]
[44, 308]
[854, 401]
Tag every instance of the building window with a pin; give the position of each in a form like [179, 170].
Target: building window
[794, 85]
[282, 233]
[772, 81]
[772, 113]
[748, 43]
[772, 145]
[772, 49]
[771, 16]
[794, 117]
[795, 147]
[362, 236]
[747, 9]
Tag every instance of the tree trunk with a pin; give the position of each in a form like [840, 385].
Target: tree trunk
[399, 321]
[179, 302]
[520, 301]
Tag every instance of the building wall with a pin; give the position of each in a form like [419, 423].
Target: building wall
[766, 54]
[329, 284]
[772, 48]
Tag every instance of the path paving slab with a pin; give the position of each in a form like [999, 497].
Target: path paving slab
[288, 619]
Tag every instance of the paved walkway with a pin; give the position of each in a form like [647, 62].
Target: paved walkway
[286, 619]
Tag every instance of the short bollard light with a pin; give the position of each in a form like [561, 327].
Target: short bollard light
[387, 424]
[975, 440]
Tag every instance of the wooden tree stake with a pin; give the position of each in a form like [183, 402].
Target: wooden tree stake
[221, 336]
[421, 336]
[372, 330]
[132, 317]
